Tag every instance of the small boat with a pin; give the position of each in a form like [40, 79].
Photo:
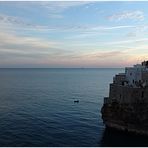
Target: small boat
[76, 101]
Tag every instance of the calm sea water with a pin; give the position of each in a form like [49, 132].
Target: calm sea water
[37, 108]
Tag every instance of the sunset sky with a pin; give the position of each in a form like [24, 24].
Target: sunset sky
[73, 34]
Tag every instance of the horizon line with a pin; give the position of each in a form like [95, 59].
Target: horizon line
[60, 67]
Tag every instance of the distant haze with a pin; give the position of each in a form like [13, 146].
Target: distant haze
[59, 34]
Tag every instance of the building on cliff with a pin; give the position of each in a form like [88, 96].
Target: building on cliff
[126, 108]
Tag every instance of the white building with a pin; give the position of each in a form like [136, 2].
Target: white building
[137, 75]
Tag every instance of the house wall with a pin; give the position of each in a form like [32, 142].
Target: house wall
[118, 79]
[126, 94]
[133, 74]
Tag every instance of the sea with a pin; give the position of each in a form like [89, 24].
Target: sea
[57, 107]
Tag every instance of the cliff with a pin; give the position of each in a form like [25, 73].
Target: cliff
[126, 117]
[126, 108]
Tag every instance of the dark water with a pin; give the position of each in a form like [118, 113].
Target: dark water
[37, 108]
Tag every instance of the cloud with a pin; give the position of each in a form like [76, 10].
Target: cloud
[103, 59]
[11, 39]
[109, 54]
[56, 8]
[16, 49]
[133, 15]
[136, 31]
[99, 55]
[108, 28]
[52, 9]
[105, 54]
[131, 34]
[12, 20]
[10, 23]
[127, 41]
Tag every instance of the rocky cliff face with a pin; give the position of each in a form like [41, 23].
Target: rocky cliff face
[127, 117]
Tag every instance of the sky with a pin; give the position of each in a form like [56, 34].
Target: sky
[73, 34]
